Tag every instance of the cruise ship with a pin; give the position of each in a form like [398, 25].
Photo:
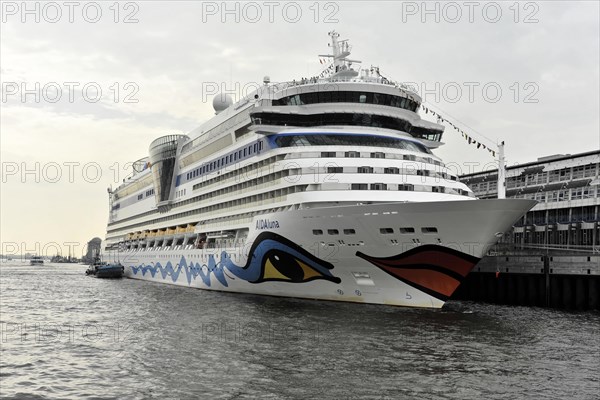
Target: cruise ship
[322, 188]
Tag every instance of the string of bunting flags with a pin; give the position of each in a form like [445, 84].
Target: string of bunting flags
[456, 128]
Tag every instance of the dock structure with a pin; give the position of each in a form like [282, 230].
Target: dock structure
[558, 281]
[551, 257]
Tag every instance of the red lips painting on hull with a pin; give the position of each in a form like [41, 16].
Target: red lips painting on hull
[433, 269]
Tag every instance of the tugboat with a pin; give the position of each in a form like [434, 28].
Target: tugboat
[101, 269]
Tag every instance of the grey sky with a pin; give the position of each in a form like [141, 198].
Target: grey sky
[547, 69]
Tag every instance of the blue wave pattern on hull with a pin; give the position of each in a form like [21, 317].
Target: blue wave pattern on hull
[191, 270]
[271, 258]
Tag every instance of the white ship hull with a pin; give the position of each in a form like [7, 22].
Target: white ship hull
[377, 263]
[323, 188]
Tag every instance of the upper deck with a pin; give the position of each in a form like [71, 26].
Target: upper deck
[365, 125]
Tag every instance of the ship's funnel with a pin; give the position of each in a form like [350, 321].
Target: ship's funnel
[163, 156]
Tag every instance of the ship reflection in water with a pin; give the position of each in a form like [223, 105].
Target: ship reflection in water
[171, 342]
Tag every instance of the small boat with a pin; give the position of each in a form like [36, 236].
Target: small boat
[101, 269]
[36, 260]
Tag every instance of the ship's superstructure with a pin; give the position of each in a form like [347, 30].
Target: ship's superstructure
[323, 187]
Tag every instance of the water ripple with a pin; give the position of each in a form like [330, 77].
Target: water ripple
[65, 335]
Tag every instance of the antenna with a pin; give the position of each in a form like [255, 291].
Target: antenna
[341, 68]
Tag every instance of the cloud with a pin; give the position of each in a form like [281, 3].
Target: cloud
[177, 48]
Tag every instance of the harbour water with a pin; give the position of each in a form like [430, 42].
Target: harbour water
[66, 335]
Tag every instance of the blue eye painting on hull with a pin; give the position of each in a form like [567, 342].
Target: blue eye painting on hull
[271, 258]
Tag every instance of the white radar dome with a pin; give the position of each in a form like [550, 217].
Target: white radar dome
[221, 102]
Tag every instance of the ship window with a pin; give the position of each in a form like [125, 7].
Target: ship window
[244, 152]
[406, 187]
[365, 170]
[293, 140]
[317, 232]
[310, 98]
[378, 155]
[392, 170]
[339, 118]
[349, 232]
[425, 133]
[327, 154]
[333, 232]
[407, 230]
[335, 170]
[359, 186]
[347, 97]
[386, 231]
[429, 229]
[378, 186]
